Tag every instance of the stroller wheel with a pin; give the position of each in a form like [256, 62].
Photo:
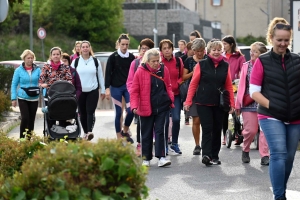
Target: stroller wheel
[228, 138]
[256, 141]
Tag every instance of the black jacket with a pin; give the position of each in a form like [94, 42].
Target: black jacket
[281, 86]
[212, 79]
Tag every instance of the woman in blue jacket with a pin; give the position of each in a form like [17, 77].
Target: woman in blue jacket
[26, 76]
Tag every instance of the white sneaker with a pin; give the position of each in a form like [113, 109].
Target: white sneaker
[146, 163]
[163, 162]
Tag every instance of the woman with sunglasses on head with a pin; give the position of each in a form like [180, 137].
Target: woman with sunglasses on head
[76, 51]
[248, 107]
[144, 46]
[235, 59]
[26, 76]
[275, 86]
[90, 71]
[117, 69]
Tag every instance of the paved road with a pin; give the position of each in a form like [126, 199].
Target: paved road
[188, 179]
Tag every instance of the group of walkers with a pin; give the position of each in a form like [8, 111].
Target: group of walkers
[267, 97]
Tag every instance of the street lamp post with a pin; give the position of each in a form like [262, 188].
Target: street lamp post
[155, 26]
[30, 27]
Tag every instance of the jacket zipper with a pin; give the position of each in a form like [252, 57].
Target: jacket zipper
[286, 85]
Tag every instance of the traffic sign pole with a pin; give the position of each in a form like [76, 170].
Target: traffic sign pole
[41, 32]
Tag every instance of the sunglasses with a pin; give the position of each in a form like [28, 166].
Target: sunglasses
[283, 26]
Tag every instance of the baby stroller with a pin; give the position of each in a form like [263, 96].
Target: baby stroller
[236, 132]
[60, 113]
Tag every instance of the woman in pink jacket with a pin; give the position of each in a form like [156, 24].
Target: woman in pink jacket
[144, 46]
[151, 97]
[235, 59]
[248, 107]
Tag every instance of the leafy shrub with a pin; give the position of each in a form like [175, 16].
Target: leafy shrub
[6, 74]
[5, 103]
[13, 153]
[108, 169]
[249, 39]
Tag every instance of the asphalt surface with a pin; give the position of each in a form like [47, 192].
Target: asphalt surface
[187, 178]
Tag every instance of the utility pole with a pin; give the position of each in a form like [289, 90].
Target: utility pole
[234, 20]
[155, 26]
[267, 13]
[30, 27]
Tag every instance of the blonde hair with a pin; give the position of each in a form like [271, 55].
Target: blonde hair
[91, 53]
[74, 49]
[148, 54]
[53, 49]
[27, 52]
[214, 43]
[260, 46]
[271, 28]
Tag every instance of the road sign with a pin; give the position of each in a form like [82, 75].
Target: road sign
[41, 33]
[3, 10]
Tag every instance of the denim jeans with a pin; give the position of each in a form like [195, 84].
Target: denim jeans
[175, 118]
[283, 141]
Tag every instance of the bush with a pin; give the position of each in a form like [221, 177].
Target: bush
[5, 104]
[105, 170]
[13, 153]
[6, 75]
[249, 39]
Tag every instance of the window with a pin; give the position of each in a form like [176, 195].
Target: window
[216, 24]
[216, 2]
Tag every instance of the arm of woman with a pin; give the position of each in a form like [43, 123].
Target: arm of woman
[78, 85]
[14, 84]
[101, 79]
[256, 80]
[228, 87]
[186, 74]
[169, 86]
[43, 76]
[130, 75]
[242, 60]
[67, 73]
[135, 92]
[179, 81]
[193, 86]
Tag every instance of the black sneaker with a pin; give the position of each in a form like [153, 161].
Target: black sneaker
[206, 160]
[197, 150]
[245, 157]
[128, 138]
[265, 160]
[216, 162]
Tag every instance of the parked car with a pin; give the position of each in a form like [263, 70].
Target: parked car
[17, 63]
[246, 51]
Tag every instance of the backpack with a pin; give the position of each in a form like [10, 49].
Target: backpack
[96, 64]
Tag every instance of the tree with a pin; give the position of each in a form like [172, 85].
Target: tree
[97, 21]
[12, 2]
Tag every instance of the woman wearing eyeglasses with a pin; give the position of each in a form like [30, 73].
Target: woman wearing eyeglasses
[275, 86]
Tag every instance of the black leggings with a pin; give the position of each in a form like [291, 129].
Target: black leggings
[28, 111]
[87, 105]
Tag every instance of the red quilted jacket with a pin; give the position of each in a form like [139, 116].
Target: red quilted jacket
[141, 89]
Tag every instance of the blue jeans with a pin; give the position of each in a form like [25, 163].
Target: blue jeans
[283, 141]
[175, 118]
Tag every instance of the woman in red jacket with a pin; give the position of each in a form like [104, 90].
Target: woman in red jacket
[151, 97]
[210, 75]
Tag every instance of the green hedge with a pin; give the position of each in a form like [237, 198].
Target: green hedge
[108, 169]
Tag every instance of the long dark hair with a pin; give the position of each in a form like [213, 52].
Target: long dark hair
[231, 41]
